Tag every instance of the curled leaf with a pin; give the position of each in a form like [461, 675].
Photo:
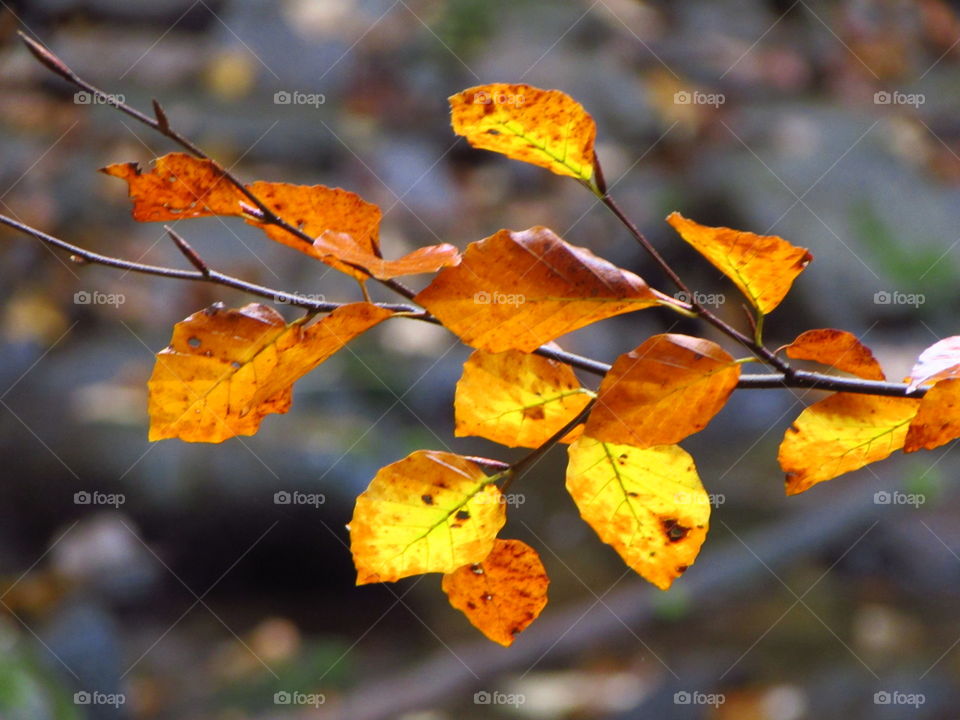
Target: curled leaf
[542, 127]
[430, 512]
[502, 594]
[515, 398]
[519, 290]
[648, 503]
[938, 420]
[836, 348]
[938, 362]
[225, 370]
[666, 389]
[763, 267]
[843, 433]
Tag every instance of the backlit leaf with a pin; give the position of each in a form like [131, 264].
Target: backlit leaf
[938, 420]
[542, 127]
[647, 503]
[504, 593]
[226, 369]
[843, 433]
[763, 267]
[515, 398]
[666, 389]
[430, 512]
[519, 290]
[938, 362]
[838, 349]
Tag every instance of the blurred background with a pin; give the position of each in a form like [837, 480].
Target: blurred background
[162, 581]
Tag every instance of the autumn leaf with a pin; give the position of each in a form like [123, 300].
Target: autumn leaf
[843, 433]
[225, 370]
[515, 398]
[504, 593]
[669, 387]
[938, 362]
[938, 420]
[430, 512]
[763, 267]
[647, 503]
[542, 127]
[344, 226]
[836, 348]
[519, 290]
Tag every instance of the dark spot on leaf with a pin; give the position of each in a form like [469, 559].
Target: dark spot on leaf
[674, 530]
[681, 569]
[534, 413]
[476, 569]
[463, 515]
[427, 499]
[472, 605]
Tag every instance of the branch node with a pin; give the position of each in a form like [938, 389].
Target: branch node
[163, 125]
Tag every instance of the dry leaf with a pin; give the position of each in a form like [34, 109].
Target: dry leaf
[503, 594]
[763, 267]
[430, 512]
[938, 420]
[542, 127]
[838, 349]
[519, 290]
[661, 392]
[225, 370]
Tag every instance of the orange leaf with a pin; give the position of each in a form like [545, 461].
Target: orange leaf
[661, 392]
[225, 370]
[838, 349]
[938, 362]
[516, 399]
[938, 420]
[542, 127]
[345, 227]
[519, 290]
[430, 512]
[503, 594]
[763, 267]
[843, 433]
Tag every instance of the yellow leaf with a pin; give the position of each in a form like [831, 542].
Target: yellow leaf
[519, 290]
[647, 503]
[940, 361]
[542, 127]
[838, 349]
[763, 267]
[938, 420]
[516, 399]
[430, 512]
[661, 392]
[843, 433]
[225, 370]
[503, 594]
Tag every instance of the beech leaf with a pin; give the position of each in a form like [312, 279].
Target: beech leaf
[430, 512]
[502, 594]
[838, 349]
[648, 503]
[547, 128]
[938, 420]
[519, 290]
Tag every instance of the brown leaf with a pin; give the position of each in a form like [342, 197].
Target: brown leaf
[666, 389]
[938, 420]
[504, 593]
[519, 290]
[838, 349]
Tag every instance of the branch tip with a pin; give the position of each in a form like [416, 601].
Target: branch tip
[188, 252]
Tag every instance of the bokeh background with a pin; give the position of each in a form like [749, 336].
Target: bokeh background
[199, 597]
